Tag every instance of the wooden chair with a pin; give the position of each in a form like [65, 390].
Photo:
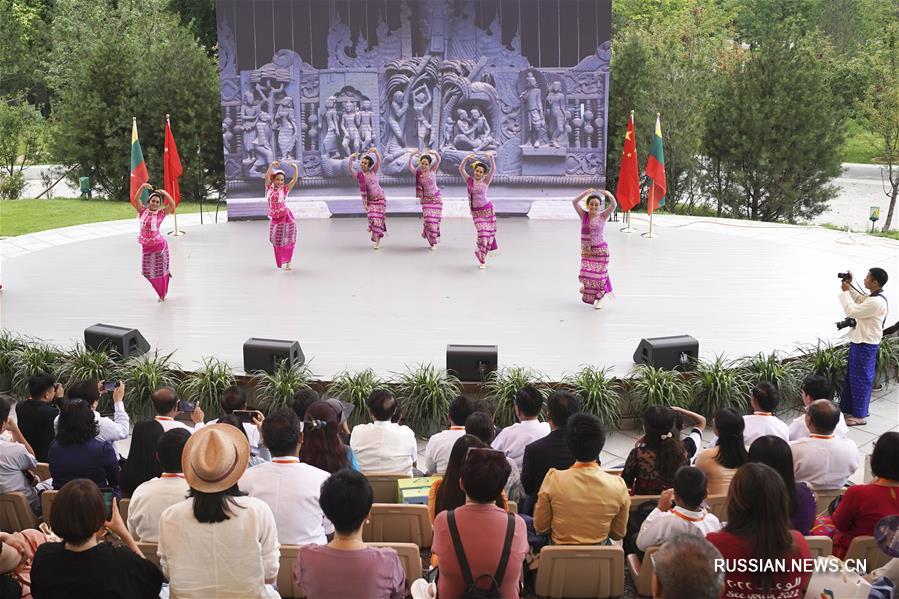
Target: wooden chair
[384, 486]
[820, 546]
[642, 572]
[865, 548]
[399, 523]
[595, 571]
[410, 557]
[285, 584]
[15, 513]
[42, 470]
[717, 504]
[824, 497]
[47, 498]
[149, 550]
[123, 510]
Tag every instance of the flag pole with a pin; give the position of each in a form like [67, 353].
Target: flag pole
[176, 232]
[650, 235]
[627, 215]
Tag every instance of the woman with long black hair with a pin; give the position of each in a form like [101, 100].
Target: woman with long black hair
[651, 465]
[720, 462]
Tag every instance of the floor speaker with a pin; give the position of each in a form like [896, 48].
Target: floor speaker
[676, 352]
[265, 354]
[471, 363]
[121, 340]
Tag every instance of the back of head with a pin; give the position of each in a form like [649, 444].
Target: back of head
[84, 390]
[281, 432]
[459, 410]
[561, 405]
[170, 449]
[232, 420]
[824, 416]
[382, 404]
[78, 511]
[480, 424]
[143, 463]
[449, 494]
[40, 383]
[758, 510]
[483, 405]
[817, 387]
[322, 447]
[165, 400]
[584, 437]
[484, 474]
[685, 567]
[529, 401]
[730, 425]
[766, 396]
[691, 485]
[76, 423]
[773, 451]
[879, 275]
[346, 499]
[302, 399]
[885, 457]
[659, 435]
[234, 398]
[5, 408]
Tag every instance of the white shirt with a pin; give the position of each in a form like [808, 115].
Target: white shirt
[224, 560]
[168, 423]
[14, 458]
[761, 424]
[660, 526]
[825, 462]
[109, 429]
[384, 447]
[438, 449]
[799, 430]
[513, 439]
[869, 314]
[152, 498]
[253, 435]
[291, 489]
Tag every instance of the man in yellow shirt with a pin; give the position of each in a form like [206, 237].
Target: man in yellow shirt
[582, 505]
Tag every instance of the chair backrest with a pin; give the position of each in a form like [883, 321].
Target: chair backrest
[42, 470]
[47, 498]
[286, 586]
[824, 497]
[571, 571]
[149, 551]
[865, 548]
[717, 505]
[410, 557]
[820, 546]
[399, 523]
[384, 487]
[15, 513]
[512, 507]
[123, 509]
[642, 572]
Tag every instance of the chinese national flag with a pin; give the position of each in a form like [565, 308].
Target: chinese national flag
[655, 170]
[171, 164]
[628, 191]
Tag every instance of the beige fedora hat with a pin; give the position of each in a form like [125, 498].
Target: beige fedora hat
[215, 457]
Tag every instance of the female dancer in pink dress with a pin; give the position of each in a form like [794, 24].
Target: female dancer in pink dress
[594, 275]
[155, 261]
[428, 194]
[373, 199]
[481, 209]
[282, 231]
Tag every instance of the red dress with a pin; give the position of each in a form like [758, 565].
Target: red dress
[861, 507]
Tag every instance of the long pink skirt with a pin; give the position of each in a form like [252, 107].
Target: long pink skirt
[377, 218]
[594, 275]
[155, 266]
[485, 223]
[283, 235]
[432, 211]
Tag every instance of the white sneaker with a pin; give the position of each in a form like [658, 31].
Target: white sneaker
[482, 266]
[433, 248]
[597, 304]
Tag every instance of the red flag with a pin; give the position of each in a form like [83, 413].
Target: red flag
[171, 164]
[655, 169]
[628, 191]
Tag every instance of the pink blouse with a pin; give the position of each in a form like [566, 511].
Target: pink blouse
[149, 226]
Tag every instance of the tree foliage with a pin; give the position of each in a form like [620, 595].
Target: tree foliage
[20, 143]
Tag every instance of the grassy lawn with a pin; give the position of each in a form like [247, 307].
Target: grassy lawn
[18, 217]
[860, 145]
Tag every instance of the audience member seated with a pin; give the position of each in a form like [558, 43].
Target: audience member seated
[582, 505]
[775, 452]
[437, 451]
[142, 463]
[684, 418]
[862, 506]
[322, 446]
[302, 399]
[16, 458]
[650, 466]
[513, 439]
[685, 567]
[762, 421]
[156, 495]
[480, 424]
[551, 451]
[232, 420]
[822, 459]
[166, 404]
[235, 398]
[36, 415]
[679, 511]
[481, 527]
[719, 463]
[218, 542]
[815, 387]
[758, 528]
[109, 429]
[15, 553]
[446, 493]
[886, 534]
[289, 487]
[84, 566]
[384, 446]
[346, 568]
[77, 453]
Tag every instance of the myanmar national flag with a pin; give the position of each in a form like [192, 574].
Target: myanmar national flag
[628, 191]
[139, 174]
[171, 165]
[655, 170]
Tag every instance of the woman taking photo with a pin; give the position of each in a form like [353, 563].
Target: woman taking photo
[374, 201]
[428, 194]
[720, 462]
[594, 275]
[155, 249]
[77, 453]
[481, 209]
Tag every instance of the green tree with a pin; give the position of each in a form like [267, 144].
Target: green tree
[20, 131]
[199, 15]
[114, 60]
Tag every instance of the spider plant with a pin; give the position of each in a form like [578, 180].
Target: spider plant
[425, 394]
[142, 376]
[354, 388]
[887, 361]
[10, 343]
[786, 375]
[206, 384]
[84, 364]
[31, 359]
[600, 393]
[275, 389]
[649, 386]
[827, 360]
[502, 385]
[718, 384]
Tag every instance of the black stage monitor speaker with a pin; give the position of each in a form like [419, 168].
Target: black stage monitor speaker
[122, 340]
[471, 363]
[679, 351]
[265, 354]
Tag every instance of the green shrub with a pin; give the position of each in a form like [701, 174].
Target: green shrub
[275, 389]
[718, 384]
[354, 388]
[600, 393]
[502, 385]
[425, 394]
[207, 384]
[649, 386]
[142, 376]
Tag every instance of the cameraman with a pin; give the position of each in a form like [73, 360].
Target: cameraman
[869, 312]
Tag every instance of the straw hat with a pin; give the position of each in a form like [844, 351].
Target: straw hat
[215, 457]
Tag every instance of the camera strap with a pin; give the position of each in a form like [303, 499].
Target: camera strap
[885, 316]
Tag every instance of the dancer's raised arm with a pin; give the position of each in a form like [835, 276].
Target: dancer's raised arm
[489, 176]
[169, 201]
[437, 158]
[268, 174]
[576, 202]
[350, 164]
[296, 175]
[412, 167]
[613, 203]
[462, 170]
[135, 199]
[377, 164]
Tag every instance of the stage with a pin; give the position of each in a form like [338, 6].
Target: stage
[738, 287]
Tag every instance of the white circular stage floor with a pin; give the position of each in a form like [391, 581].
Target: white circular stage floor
[737, 287]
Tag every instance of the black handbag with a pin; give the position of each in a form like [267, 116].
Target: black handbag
[472, 591]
